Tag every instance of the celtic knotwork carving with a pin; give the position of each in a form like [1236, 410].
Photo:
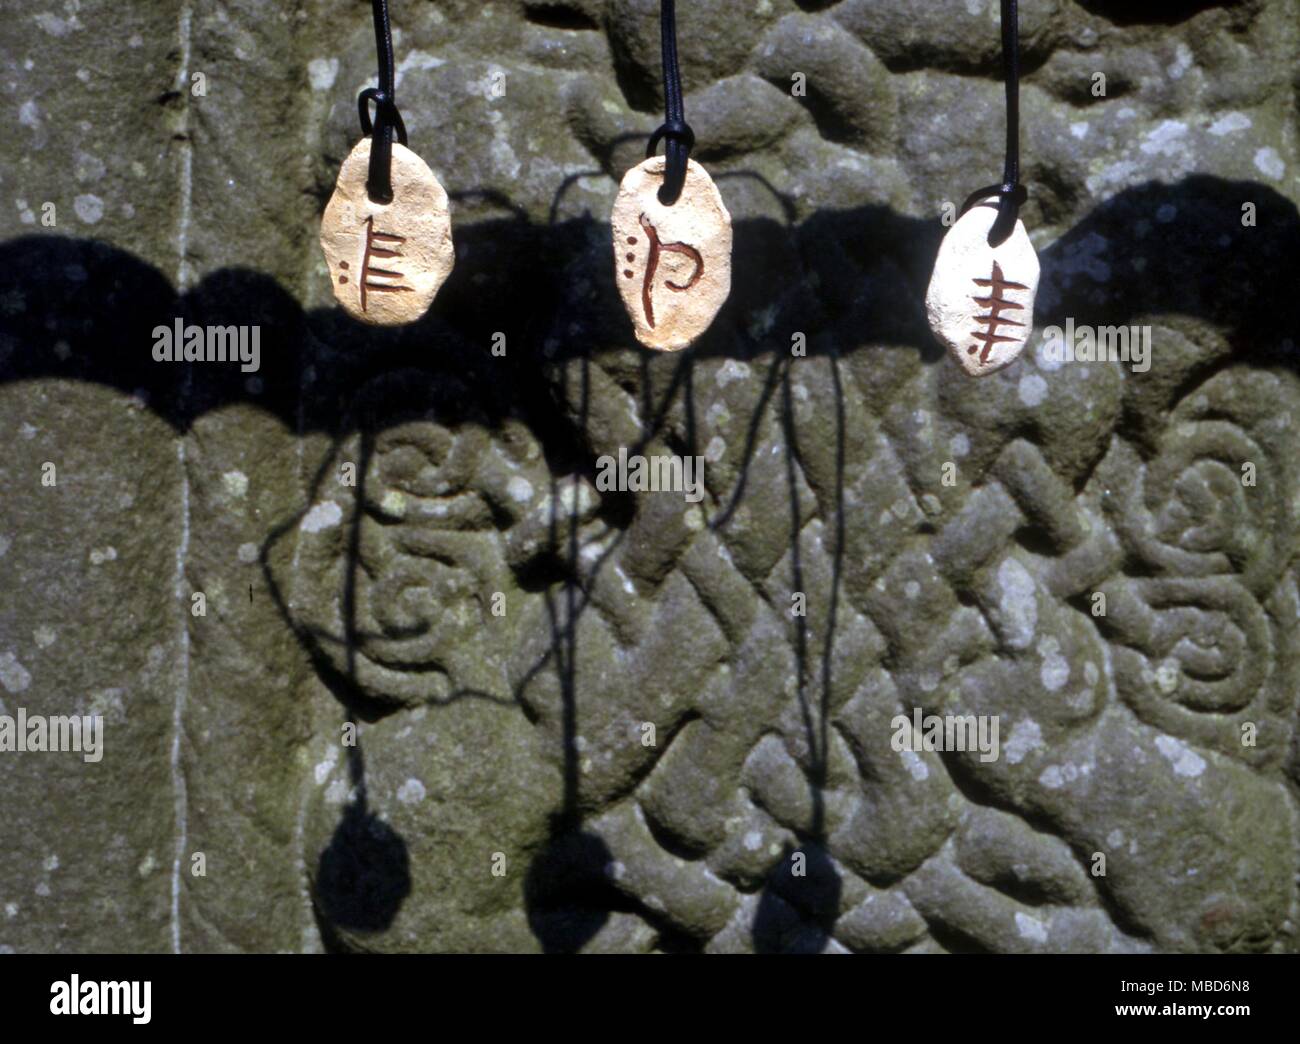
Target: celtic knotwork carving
[677, 734]
[1209, 520]
[772, 729]
[398, 576]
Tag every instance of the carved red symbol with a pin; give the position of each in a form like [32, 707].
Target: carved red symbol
[996, 304]
[379, 244]
[652, 264]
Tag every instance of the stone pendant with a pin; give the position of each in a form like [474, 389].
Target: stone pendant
[387, 260]
[981, 298]
[672, 264]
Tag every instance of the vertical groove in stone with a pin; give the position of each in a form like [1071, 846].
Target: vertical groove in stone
[182, 282]
[180, 698]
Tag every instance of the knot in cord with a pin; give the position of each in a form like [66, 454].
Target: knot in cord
[379, 184]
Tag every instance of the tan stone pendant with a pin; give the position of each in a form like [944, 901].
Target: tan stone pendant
[387, 260]
[981, 298]
[672, 263]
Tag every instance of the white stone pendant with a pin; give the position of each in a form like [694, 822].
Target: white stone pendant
[672, 264]
[981, 298]
[387, 260]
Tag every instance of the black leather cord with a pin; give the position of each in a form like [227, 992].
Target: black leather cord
[379, 183]
[1019, 195]
[1013, 194]
[678, 137]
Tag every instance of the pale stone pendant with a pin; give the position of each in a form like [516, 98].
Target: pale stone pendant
[387, 260]
[672, 264]
[981, 298]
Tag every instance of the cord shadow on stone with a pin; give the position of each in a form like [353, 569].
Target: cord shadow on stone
[851, 280]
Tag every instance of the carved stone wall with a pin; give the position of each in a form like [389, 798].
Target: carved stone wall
[627, 721]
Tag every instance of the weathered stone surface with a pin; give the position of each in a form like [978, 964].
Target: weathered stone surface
[89, 846]
[845, 86]
[352, 509]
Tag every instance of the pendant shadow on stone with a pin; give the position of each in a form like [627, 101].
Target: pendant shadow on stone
[799, 903]
[82, 311]
[364, 876]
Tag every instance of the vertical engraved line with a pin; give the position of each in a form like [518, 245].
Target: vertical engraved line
[178, 705]
[310, 137]
[186, 154]
[179, 793]
[365, 259]
[310, 941]
[651, 264]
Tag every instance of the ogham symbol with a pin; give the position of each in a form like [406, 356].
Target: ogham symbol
[652, 265]
[995, 303]
[376, 246]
